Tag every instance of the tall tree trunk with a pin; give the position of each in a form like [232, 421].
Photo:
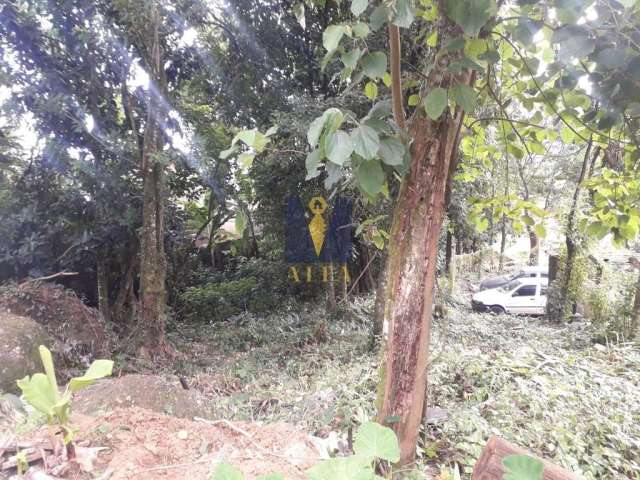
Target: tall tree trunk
[503, 242]
[448, 251]
[102, 274]
[570, 242]
[413, 247]
[634, 327]
[153, 263]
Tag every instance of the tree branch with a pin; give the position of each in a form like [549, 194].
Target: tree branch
[396, 76]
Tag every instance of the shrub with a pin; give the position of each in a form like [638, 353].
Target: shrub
[217, 301]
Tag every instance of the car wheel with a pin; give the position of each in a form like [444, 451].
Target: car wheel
[497, 310]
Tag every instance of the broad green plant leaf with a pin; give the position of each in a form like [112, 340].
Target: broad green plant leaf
[342, 468]
[332, 35]
[312, 162]
[471, 15]
[435, 102]
[464, 96]
[522, 467]
[38, 391]
[375, 440]
[330, 121]
[359, 6]
[350, 58]
[371, 90]
[298, 11]
[366, 141]
[360, 29]
[47, 363]
[370, 177]
[225, 471]
[338, 147]
[98, 369]
[391, 151]
[374, 65]
[405, 13]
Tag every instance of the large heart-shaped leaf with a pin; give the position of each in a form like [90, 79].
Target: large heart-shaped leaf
[342, 468]
[374, 65]
[338, 147]
[375, 440]
[435, 102]
[332, 35]
[38, 391]
[366, 141]
[391, 151]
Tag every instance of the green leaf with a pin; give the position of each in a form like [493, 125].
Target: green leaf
[360, 29]
[374, 65]
[342, 468]
[574, 42]
[611, 58]
[338, 147]
[405, 13]
[378, 17]
[464, 96]
[350, 58]
[332, 35]
[370, 177]
[597, 229]
[245, 160]
[47, 363]
[38, 391]
[522, 467]
[386, 79]
[432, 39]
[252, 138]
[540, 230]
[359, 6]
[311, 163]
[315, 130]
[413, 100]
[366, 141]
[226, 471]
[391, 151]
[371, 90]
[471, 15]
[376, 441]
[98, 369]
[435, 102]
[228, 152]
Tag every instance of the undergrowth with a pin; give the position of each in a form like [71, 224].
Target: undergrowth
[542, 386]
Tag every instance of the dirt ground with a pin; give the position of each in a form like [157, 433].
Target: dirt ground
[143, 445]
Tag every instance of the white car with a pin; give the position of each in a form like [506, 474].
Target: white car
[523, 296]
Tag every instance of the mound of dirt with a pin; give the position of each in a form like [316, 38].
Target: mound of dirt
[78, 331]
[153, 392]
[144, 445]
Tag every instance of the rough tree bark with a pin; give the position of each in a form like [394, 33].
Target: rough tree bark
[411, 268]
[570, 241]
[534, 247]
[153, 262]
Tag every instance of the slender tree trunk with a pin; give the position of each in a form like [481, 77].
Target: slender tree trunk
[153, 262]
[503, 242]
[410, 276]
[448, 252]
[567, 303]
[102, 274]
[634, 328]
[534, 247]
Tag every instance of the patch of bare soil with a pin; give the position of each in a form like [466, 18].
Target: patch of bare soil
[153, 392]
[143, 445]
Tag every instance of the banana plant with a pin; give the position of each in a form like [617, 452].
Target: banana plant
[41, 391]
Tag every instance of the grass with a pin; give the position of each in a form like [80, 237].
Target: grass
[545, 387]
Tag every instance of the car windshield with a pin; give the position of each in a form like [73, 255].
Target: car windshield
[510, 286]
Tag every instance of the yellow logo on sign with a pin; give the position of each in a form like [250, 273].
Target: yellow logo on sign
[317, 226]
